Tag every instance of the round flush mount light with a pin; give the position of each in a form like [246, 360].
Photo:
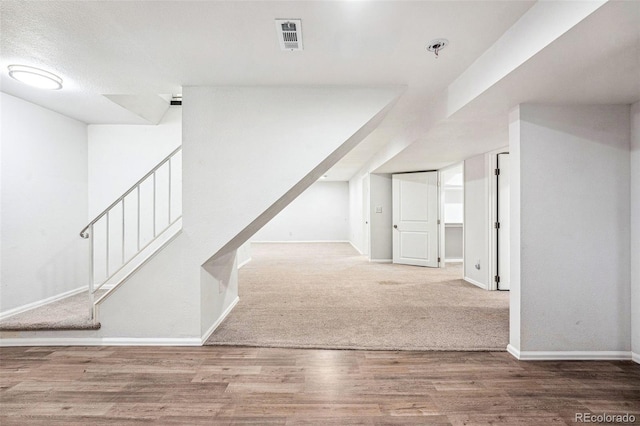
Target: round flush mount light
[35, 77]
[437, 45]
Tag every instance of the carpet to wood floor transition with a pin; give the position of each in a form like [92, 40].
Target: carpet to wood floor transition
[326, 295]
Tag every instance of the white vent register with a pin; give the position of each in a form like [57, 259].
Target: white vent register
[289, 33]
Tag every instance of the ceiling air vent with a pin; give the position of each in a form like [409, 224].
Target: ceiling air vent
[289, 33]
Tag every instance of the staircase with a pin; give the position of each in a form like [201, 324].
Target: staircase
[133, 228]
[251, 152]
[121, 239]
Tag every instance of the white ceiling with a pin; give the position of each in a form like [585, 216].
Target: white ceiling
[143, 48]
[146, 48]
[596, 62]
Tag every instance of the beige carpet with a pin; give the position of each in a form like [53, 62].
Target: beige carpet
[328, 296]
[71, 313]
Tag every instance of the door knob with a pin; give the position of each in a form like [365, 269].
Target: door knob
[395, 226]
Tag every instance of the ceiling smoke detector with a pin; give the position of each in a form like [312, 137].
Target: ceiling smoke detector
[289, 34]
[437, 45]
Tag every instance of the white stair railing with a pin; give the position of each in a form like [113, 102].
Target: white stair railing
[132, 223]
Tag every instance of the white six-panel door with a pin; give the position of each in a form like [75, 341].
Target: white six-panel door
[415, 218]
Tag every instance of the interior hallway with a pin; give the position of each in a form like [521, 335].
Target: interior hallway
[326, 295]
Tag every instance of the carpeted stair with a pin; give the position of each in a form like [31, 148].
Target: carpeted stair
[71, 313]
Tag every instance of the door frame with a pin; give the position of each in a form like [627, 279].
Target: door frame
[497, 230]
[492, 165]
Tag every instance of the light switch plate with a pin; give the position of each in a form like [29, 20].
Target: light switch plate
[378, 209]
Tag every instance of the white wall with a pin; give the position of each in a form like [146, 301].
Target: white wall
[244, 254]
[476, 221]
[515, 298]
[572, 168]
[452, 187]
[271, 144]
[453, 204]
[635, 228]
[379, 245]
[321, 213]
[453, 249]
[247, 153]
[1, 191]
[119, 155]
[356, 213]
[381, 217]
[44, 203]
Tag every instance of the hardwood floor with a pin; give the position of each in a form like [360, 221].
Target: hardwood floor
[239, 385]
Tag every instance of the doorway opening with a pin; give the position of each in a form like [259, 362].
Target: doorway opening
[452, 213]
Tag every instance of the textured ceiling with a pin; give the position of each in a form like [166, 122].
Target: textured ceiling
[144, 48]
[596, 62]
[139, 49]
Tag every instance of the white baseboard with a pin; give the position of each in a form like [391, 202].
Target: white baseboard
[476, 283]
[381, 260]
[569, 355]
[101, 341]
[244, 263]
[300, 242]
[635, 357]
[454, 260]
[115, 341]
[33, 305]
[513, 351]
[215, 325]
[356, 248]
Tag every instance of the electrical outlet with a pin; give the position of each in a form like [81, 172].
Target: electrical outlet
[378, 209]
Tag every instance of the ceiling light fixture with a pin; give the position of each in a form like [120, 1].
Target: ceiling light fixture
[437, 45]
[35, 77]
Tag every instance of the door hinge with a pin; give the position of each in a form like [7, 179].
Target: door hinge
[496, 225]
[438, 260]
[438, 221]
[497, 278]
[496, 172]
